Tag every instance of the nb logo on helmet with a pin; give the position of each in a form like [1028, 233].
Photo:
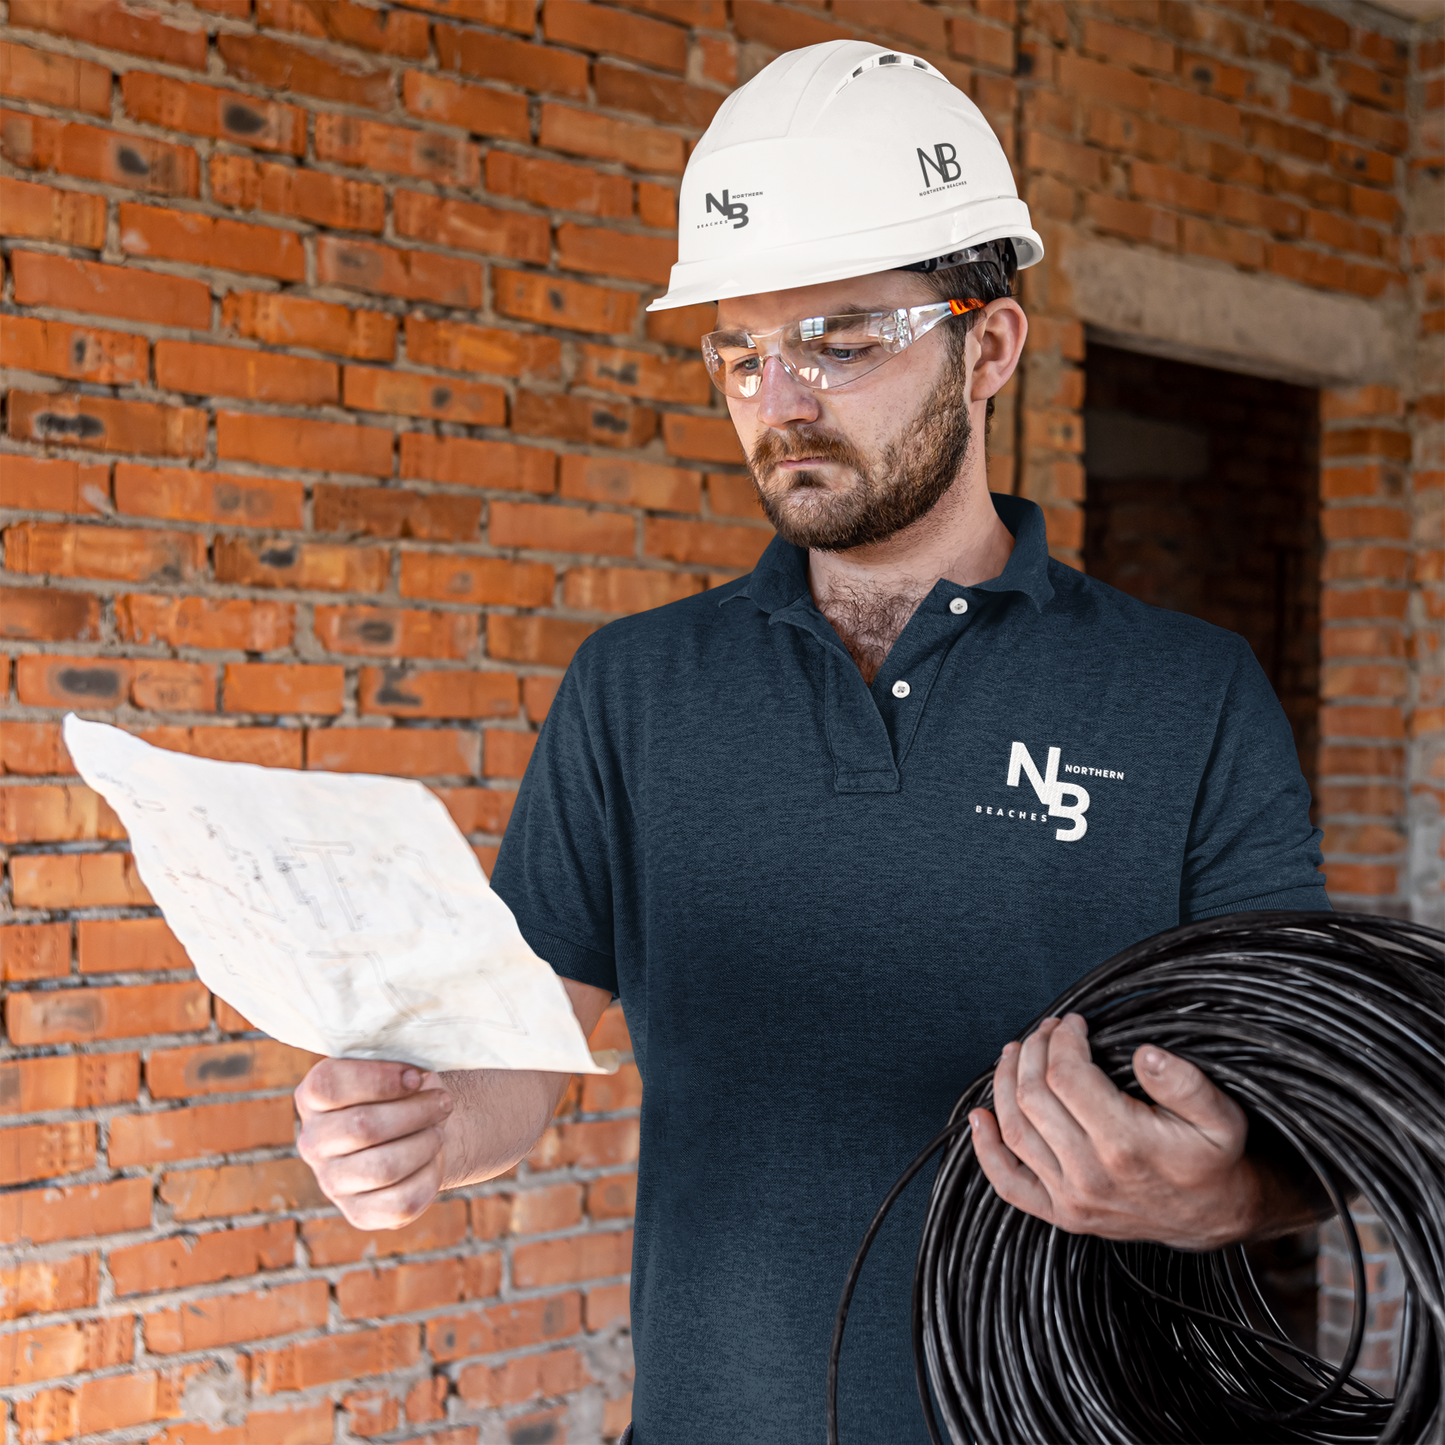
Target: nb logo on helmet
[944, 160]
[734, 211]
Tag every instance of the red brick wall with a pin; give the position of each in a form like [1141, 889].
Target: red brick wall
[333, 422]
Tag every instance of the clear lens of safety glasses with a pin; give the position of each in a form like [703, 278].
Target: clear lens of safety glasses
[822, 352]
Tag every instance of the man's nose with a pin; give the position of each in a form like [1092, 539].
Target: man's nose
[782, 398]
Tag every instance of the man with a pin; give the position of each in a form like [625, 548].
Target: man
[837, 830]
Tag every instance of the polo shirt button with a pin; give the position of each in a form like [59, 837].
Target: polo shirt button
[900, 688]
[958, 606]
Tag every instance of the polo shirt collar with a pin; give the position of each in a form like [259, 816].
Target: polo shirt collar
[781, 575]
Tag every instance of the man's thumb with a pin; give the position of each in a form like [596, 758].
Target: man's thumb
[1186, 1091]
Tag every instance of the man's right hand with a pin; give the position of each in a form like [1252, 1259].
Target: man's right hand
[373, 1136]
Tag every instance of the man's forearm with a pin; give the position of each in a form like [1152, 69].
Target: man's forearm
[497, 1116]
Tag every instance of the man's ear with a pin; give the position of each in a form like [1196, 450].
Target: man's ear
[1000, 333]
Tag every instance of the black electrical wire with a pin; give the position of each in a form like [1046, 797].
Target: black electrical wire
[1327, 1029]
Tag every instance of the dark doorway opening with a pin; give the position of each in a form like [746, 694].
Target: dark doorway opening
[1202, 495]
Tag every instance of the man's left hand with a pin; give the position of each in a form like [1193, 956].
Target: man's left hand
[1072, 1149]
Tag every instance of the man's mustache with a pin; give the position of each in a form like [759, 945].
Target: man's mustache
[790, 445]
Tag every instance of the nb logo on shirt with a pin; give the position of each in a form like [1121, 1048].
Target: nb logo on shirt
[1053, 793]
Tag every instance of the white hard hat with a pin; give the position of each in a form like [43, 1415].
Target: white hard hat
[839, 160]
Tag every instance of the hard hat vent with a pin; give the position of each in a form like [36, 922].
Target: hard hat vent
[886, 57]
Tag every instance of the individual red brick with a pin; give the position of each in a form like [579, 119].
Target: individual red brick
[405, 692]
[369, 388]
[504, 1327]
[58, 348]
[33, 484]
[311, 566]
[266, 747]
[130, 554]
[407, 753]
[587, 1145]
[102, 423]
[657, 205]
[351, 141]
[459, 346]
[392, 32]
[316, 325]
[585, 133]
[350, 1356]
[527, 1377]
[683, 326]
[280, 687]
[39, 1151]
[331, 1240]
[707, 543]
[43, 1354]
[557, 185]
[411, 275]
[563, 1261]
[529, 67]
[630, 484]
[192, 1133]
[232, 371]
[586, 27]
[59, 281]
[228, 1319]
[673, 102]
[703, 439]
[446, 577]
[480, 810]
[42, 213]
[555, 302]
[459, 462]
[116, 26]
[394, 632]
[1367, 441]
[179, 1261]
[81, 1015]
[111, 1403]
[207, 622]
[233, 1189]
[37, 1287]
[606, 1303]
[393, 512]
[324, 200]
[58, 813]
[472, 108]
[538, 695]
[507, 753]
[719, 59]
[603, 1093]
[75, 1211]
[615, 253]
[491, 1213]
[286, 441]
[550, 641]
[374, 1294]
[133, 162]
[184, 495]
[33, 749]
[644, 374]
[206, 110]
[371, 1412]
[469, 227]
[543, 1210]
[63, 681]
[581, 419]
[282, 67]
[69, 1081]
[127, 945]
[733, 496]
[34, 950]
[59, 80]
[211, 241]
[561, 529]
[46, 614]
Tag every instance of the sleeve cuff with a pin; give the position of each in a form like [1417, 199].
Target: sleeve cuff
[573, 960]
[1310, 898]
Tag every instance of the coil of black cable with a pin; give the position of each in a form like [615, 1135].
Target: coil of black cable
[1325, 1027]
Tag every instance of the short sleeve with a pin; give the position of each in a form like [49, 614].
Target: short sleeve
[553, 868]
[1251, 844]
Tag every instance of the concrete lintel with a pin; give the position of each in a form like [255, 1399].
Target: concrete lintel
[1259, 325]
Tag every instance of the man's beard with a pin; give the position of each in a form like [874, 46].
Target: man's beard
[889, 493]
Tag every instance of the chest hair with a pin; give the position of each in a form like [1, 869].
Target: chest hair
[868, 624]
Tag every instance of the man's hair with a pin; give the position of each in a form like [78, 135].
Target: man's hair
[987, 280]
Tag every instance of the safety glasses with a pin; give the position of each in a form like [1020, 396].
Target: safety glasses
[822, 352]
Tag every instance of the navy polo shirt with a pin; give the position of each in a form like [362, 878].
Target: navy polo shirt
[827, 905]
